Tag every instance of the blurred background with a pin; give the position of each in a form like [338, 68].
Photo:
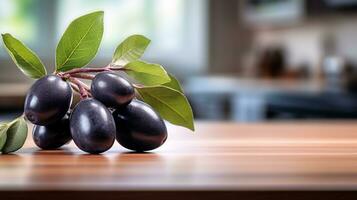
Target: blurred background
[238, 60]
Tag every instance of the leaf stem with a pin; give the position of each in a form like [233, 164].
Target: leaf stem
[138, 85]
[122, 68]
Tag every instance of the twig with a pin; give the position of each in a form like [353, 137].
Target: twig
[83, 76]
[83, 88]
[91, 70]
[74, 86]
[84, 85]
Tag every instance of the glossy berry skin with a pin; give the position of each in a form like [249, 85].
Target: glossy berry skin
[48, 100]
[52, 136]
[139, 127]
[112, 90]
[92, 126]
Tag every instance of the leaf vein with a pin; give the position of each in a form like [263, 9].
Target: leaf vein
[183, 117]
[79, 42]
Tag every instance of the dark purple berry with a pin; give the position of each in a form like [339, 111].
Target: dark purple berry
[112, 90]
[52, 136]
[139, 127]
[48, 100]
[92, 126]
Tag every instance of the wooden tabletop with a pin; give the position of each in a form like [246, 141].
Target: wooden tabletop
[218, 157]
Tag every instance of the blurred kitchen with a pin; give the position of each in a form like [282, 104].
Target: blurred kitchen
[239, 60]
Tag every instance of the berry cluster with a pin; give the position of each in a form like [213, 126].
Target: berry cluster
[128, 106]
[94, 123]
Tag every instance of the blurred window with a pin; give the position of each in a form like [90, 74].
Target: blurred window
[16, 18]
[176, 27]
[19, 18]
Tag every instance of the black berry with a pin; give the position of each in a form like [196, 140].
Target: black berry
[52, 136]
[92, 126]
[112, 90]
[139, 127]
[48, 100]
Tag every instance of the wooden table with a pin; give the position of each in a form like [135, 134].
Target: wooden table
[290, 160]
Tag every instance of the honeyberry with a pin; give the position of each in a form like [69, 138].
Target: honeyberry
[92, 126]
[48, 100]
[52, 136]
[139, 127]
[111, 89]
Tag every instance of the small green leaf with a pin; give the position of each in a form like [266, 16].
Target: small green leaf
[146, 73]
[80, 42]
[3, 129]
[16, 135]
[174, 84]
[25, 59]
[171, 104]
[131, 49]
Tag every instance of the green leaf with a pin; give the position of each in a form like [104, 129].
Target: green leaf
[131, 49]
[80, 42]
[25, 59]
[171, 104]
[147, 73]
[174, 84]
[3, 129]
[16, 135]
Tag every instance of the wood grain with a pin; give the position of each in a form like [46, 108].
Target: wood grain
[288, 156]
